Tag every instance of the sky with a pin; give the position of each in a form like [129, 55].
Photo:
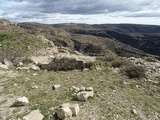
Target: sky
[82, 11]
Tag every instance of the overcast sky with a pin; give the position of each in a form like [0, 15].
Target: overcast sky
[82, 11]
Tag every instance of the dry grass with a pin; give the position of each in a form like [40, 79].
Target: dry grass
[115, 95]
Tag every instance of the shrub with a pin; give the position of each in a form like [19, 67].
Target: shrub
[110, 58]
[150, 59]
[120, 62]
[134, 71]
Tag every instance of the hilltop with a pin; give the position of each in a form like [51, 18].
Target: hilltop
[51, 64]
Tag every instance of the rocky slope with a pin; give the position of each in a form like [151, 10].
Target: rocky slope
[125, 40]
[76, 72]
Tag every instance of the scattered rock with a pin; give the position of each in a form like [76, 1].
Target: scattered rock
[8, 63]
[134, 111]
[73, 88]
[22, 101]
[20, 64]
[35, 87]
[34, 67]
[34, 115]
[67, 110]
[65, 105]
[83, 96]
[85, 69]
[3, 66]
[89, 89]
[64, 112]
[22, 68]
[55, 87]
[82, 89]
[35, 74]
[15, 84]
[75, 109]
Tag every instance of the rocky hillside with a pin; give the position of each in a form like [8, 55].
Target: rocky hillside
[124, 40]
[77, 72]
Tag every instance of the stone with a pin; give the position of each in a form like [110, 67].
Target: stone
[73, 88]
[55, 87]
[35, 74]
[15, 84]
[64, 112]
[83, 96]
[34, 115]
[34, 67]
[65, 105]
[89, 89]
[20, 64]
[82, 89]
[3, 66]
[75, 109]
[22, 101]
[8, 63]
[22, 68]
[35, 87]
[134, 111]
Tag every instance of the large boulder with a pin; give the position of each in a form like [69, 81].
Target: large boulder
[67, 110]
[22, 101]
[64, 112]
[34, 115]
[75, 109]
[84, 95]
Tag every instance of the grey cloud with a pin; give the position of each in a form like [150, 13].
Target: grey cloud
[42, 9]
[85, 6]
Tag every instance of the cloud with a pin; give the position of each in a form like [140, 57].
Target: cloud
[50, 9]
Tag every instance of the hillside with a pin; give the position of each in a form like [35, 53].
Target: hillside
[125, 40]
[79, 72]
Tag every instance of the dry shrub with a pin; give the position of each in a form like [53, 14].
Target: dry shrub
[134, 71]
[150, 59]
[120, 62]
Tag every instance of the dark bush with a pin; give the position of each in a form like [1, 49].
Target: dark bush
[150, 59]
[134, 71]
[120, 63]
[110, 58]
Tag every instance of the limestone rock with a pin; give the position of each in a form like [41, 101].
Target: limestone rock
[35, 87]
[55, 87]
[73, 88]
[75, 109]
[64, 112]
[83, 96]
[35, 74]
[22, 68]
[89, 89]
[65, 105]
[34, 115]
[22, 101]
[82, 89]
[8, 63]
[3, 66]
[34, 67]
[134, 111]
[20, 64]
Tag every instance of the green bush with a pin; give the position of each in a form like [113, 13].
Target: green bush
[134, 71]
